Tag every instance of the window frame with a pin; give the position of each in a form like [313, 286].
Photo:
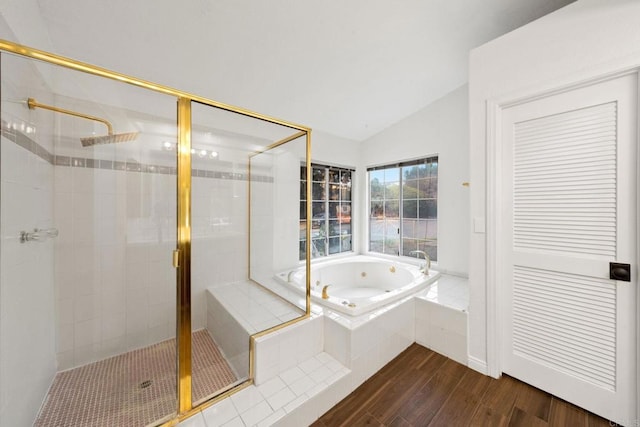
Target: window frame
[430, 241]
[343, 217]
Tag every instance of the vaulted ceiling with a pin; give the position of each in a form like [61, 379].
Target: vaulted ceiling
[349, 68]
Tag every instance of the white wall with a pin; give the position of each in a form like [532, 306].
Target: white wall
[440, 128]
[582, 41]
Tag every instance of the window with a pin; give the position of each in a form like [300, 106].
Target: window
[331, 210]
[403, 215]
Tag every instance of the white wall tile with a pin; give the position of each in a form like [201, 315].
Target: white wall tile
[220, 413]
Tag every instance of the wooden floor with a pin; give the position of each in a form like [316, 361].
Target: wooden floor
[423, 388]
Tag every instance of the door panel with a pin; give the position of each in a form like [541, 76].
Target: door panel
[569, 210]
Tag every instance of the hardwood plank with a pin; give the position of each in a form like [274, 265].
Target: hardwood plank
[355, 403]
[400, 422]
[501, 395]
[566, 414]
[366, 420]
[524, 419]
[534, 402]
[402, 388]
[487, 417]
[475, 383]
[597, 421]
[457, 410]
[424, 405]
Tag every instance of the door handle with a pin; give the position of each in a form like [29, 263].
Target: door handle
[621, 272]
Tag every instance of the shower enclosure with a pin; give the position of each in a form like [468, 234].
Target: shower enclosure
[137, 223]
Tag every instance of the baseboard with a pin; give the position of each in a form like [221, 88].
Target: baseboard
[478, 365]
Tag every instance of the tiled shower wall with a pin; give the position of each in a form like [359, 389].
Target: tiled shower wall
[114, 278]
[27, 312]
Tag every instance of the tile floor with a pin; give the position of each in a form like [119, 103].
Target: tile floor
[132, 389]
[264, 405]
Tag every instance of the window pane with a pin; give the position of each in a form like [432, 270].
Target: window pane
[334, 209]
[410, 172]
[433, 170]
[346, 243]
[334, 191]
[334, 245]
[392, 191]
[318, 191]
[345, 192]
[428, 209]
[334, 228]
[422, 170]
[344, 213]
[303, 230]
[345, 228]
[432, 228]
[377, 209]
[334, 175]
[409, 245]
[318, 210]
[392, 246]
[410, 209]
[376, 189]
[302, 249]
[410, 189]
[303, 172]
[345, 177]
[430, 248]
[303, 190]
[391, 209]
[429, 188]
[318, 248]
[408, 228]
[376, 229]
[303, 210]
[318, 229]
[391, 175]
[319, 174]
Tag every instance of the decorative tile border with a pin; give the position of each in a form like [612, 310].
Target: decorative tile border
[32, 146]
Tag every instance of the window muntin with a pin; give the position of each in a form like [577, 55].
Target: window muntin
[331, 211]
[403, 211]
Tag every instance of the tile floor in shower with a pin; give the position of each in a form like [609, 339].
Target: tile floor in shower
[134, 388]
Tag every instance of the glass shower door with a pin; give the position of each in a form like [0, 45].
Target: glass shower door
[88, 290]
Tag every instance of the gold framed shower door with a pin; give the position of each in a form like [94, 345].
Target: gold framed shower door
[182, 253]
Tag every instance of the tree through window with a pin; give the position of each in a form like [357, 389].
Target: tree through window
[403, 207]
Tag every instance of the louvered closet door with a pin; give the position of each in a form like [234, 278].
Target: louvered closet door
[569, 198]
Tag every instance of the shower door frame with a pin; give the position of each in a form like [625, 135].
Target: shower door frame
[182, 253]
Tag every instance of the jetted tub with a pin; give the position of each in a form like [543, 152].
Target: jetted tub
[359, 284]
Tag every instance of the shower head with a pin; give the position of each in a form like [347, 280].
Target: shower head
[110, 138]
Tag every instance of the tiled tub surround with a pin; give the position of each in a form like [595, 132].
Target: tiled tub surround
[360, 345]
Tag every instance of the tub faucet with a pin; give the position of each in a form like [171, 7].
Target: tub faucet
[289, 276]
[325, 295]
[424, 268]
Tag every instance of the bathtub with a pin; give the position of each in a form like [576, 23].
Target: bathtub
[358, 284]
